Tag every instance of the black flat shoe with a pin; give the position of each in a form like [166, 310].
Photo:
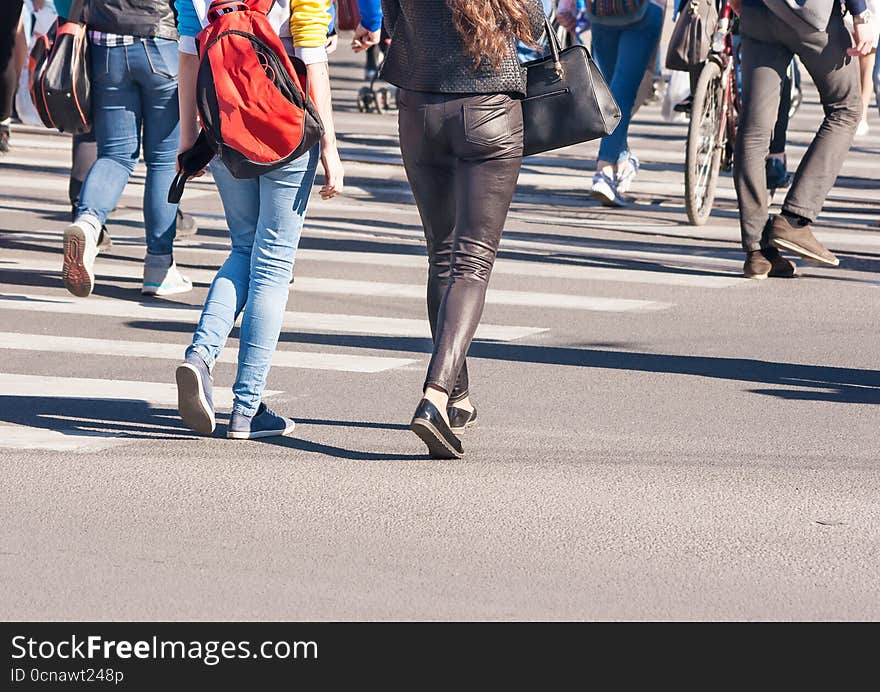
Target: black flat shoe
[460, 418]
[429, 425]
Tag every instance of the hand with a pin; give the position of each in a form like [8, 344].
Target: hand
[332, 42]
[864, 37]
[333, 173]
[184, 146]
[736, 6]
[566, 14]
[39, 4]
[363, 38]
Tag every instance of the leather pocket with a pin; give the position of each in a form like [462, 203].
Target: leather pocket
[487, 124]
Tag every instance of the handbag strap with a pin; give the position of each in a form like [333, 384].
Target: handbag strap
[555, 48]
[76, 11]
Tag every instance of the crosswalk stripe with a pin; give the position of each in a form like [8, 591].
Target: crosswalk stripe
[67, 440]
[165, 351]
[306, 321]
[50, 387]
[378, 289]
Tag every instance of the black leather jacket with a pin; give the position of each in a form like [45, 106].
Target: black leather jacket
[147, 18]
[427, 53]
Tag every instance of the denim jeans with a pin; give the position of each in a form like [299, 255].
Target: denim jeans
[134, 89]
[265, 217]
[622, 54]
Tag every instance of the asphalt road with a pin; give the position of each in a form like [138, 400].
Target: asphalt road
[658, 438]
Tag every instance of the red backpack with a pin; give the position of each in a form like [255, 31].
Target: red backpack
[253, 99]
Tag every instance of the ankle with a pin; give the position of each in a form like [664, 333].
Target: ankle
[464, 404]
[796, 219]
[439, 398]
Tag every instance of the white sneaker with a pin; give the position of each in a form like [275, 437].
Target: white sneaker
[627, 171]
[862, 129]
[605, 191]
[80, 250]
[163, 278]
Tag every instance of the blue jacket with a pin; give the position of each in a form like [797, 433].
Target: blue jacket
[371, 14]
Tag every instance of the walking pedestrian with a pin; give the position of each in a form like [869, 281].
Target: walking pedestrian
[10, 14]
[772, 33]
[133, 46]
[265, 217]
[625, 36]
[461, 138]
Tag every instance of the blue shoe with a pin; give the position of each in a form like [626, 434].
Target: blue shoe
[264, 423]
[194, 401]
[777, 175]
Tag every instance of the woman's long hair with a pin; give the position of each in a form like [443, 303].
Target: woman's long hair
[485, 26]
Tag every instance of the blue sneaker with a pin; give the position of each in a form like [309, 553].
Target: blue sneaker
[264, 423]
[777, 175]
[194, 401]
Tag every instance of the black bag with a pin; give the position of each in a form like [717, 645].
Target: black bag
[59, 75]
[692, 35]
[567, 99]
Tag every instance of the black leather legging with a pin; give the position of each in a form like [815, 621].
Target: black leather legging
[462, 155]
[10, 13]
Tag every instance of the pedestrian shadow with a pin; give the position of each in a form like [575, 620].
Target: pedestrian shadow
[107, 418]
[304, 445]
[814, 382]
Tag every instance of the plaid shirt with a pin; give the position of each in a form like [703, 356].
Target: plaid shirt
[99, 38]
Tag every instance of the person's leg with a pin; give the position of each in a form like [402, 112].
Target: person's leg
[763, 70]
[116, 111]
[229, 290]
[634, 47]
[10, 14]
[485, 180]
[226, 299]
[430, 173]
[284, 196]
[154, 64]
[84, 153]
[866, 77]
[605, 45]
[836, 77]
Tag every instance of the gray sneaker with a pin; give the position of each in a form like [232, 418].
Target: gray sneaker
[80, 250]
[194, 394]
[264, 423]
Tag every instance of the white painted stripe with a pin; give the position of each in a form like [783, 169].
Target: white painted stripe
[377, 289]
[306, 321]
[40, 386]
[69, 440]
[165, 351]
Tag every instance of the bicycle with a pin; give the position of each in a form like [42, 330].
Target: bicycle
[714, 117]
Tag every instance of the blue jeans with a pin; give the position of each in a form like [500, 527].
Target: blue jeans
[134, 88]
[265, 217]
[622, 54]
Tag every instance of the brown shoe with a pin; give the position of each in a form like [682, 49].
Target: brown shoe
[756, 266]
[781, 268]
[800, 241]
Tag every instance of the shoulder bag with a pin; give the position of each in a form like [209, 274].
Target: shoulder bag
[567, 99]
[692, 35]
[59, 75]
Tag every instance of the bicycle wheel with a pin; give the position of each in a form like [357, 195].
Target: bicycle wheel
[704, 145]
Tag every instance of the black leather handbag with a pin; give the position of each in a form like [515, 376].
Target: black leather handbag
[567, 99]
[60, 85]
[692, 35]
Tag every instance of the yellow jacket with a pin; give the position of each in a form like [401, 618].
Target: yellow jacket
[309, 21]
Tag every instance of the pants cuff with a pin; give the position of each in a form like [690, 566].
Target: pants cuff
[202, 353]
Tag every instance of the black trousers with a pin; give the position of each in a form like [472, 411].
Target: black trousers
[462, 155]
[10, 14]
